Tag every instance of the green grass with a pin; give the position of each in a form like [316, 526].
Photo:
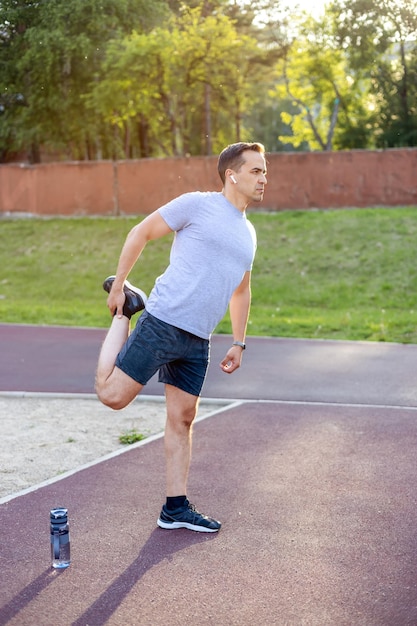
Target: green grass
[337, 274]
[130, 437]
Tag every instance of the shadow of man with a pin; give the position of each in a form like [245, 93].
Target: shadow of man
[31, 591]
[162, 544]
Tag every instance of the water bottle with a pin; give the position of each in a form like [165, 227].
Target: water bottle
[60, 538]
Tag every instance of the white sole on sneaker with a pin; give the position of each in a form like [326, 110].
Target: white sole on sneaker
[173, 525]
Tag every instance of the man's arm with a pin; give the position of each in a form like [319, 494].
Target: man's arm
[152, 227]
[239, 313]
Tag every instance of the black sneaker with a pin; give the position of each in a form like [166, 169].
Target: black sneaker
[187, 517]
[135, 298]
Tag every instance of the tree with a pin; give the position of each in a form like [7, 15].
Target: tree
[328, 99]
[182, 82]
[49, 52]
[199, 82]
[379, 37]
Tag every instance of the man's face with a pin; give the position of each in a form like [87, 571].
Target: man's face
[251, 177]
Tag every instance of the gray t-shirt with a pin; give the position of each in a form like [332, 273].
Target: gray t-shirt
[214, 246]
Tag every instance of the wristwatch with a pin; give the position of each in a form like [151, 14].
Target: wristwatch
[240, 344]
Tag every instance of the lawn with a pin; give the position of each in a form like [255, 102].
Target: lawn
[334, 274]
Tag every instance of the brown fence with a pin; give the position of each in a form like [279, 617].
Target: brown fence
[295, 181]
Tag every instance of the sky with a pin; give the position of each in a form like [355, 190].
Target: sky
[315, 7]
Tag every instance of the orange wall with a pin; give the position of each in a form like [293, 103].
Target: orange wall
[295, 181]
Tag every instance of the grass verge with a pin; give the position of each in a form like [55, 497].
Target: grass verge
[336, 274]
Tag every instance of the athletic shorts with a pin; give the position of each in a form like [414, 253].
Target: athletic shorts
[181, 358]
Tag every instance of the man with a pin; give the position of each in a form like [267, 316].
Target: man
[210, 268]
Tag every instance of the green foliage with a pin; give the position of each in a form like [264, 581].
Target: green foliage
[352, 76]
[49, 54]
[379, 38]
[329, 101]
[137, 78]
[269, 127]
[337, 274]
[131, 436]
[169, 82]
[108, 79]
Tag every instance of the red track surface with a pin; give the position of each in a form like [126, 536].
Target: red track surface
[315, 489]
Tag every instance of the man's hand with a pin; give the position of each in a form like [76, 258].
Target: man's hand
[232, 360]
[116, 301]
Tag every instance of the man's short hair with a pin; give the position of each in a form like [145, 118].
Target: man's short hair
[232, 156]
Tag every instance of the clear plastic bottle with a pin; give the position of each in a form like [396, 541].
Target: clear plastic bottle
[60, 538]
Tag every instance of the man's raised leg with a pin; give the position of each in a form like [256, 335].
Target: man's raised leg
[113, 387]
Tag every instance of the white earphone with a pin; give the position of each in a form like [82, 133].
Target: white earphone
[233, 179]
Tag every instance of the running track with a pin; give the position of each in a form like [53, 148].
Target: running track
[311, 468]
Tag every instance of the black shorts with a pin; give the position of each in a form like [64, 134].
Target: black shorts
[181, 357]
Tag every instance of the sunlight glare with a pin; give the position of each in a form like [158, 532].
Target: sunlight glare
[314, 7]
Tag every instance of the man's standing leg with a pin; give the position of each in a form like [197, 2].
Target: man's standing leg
[181, 411]
[178, 512]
